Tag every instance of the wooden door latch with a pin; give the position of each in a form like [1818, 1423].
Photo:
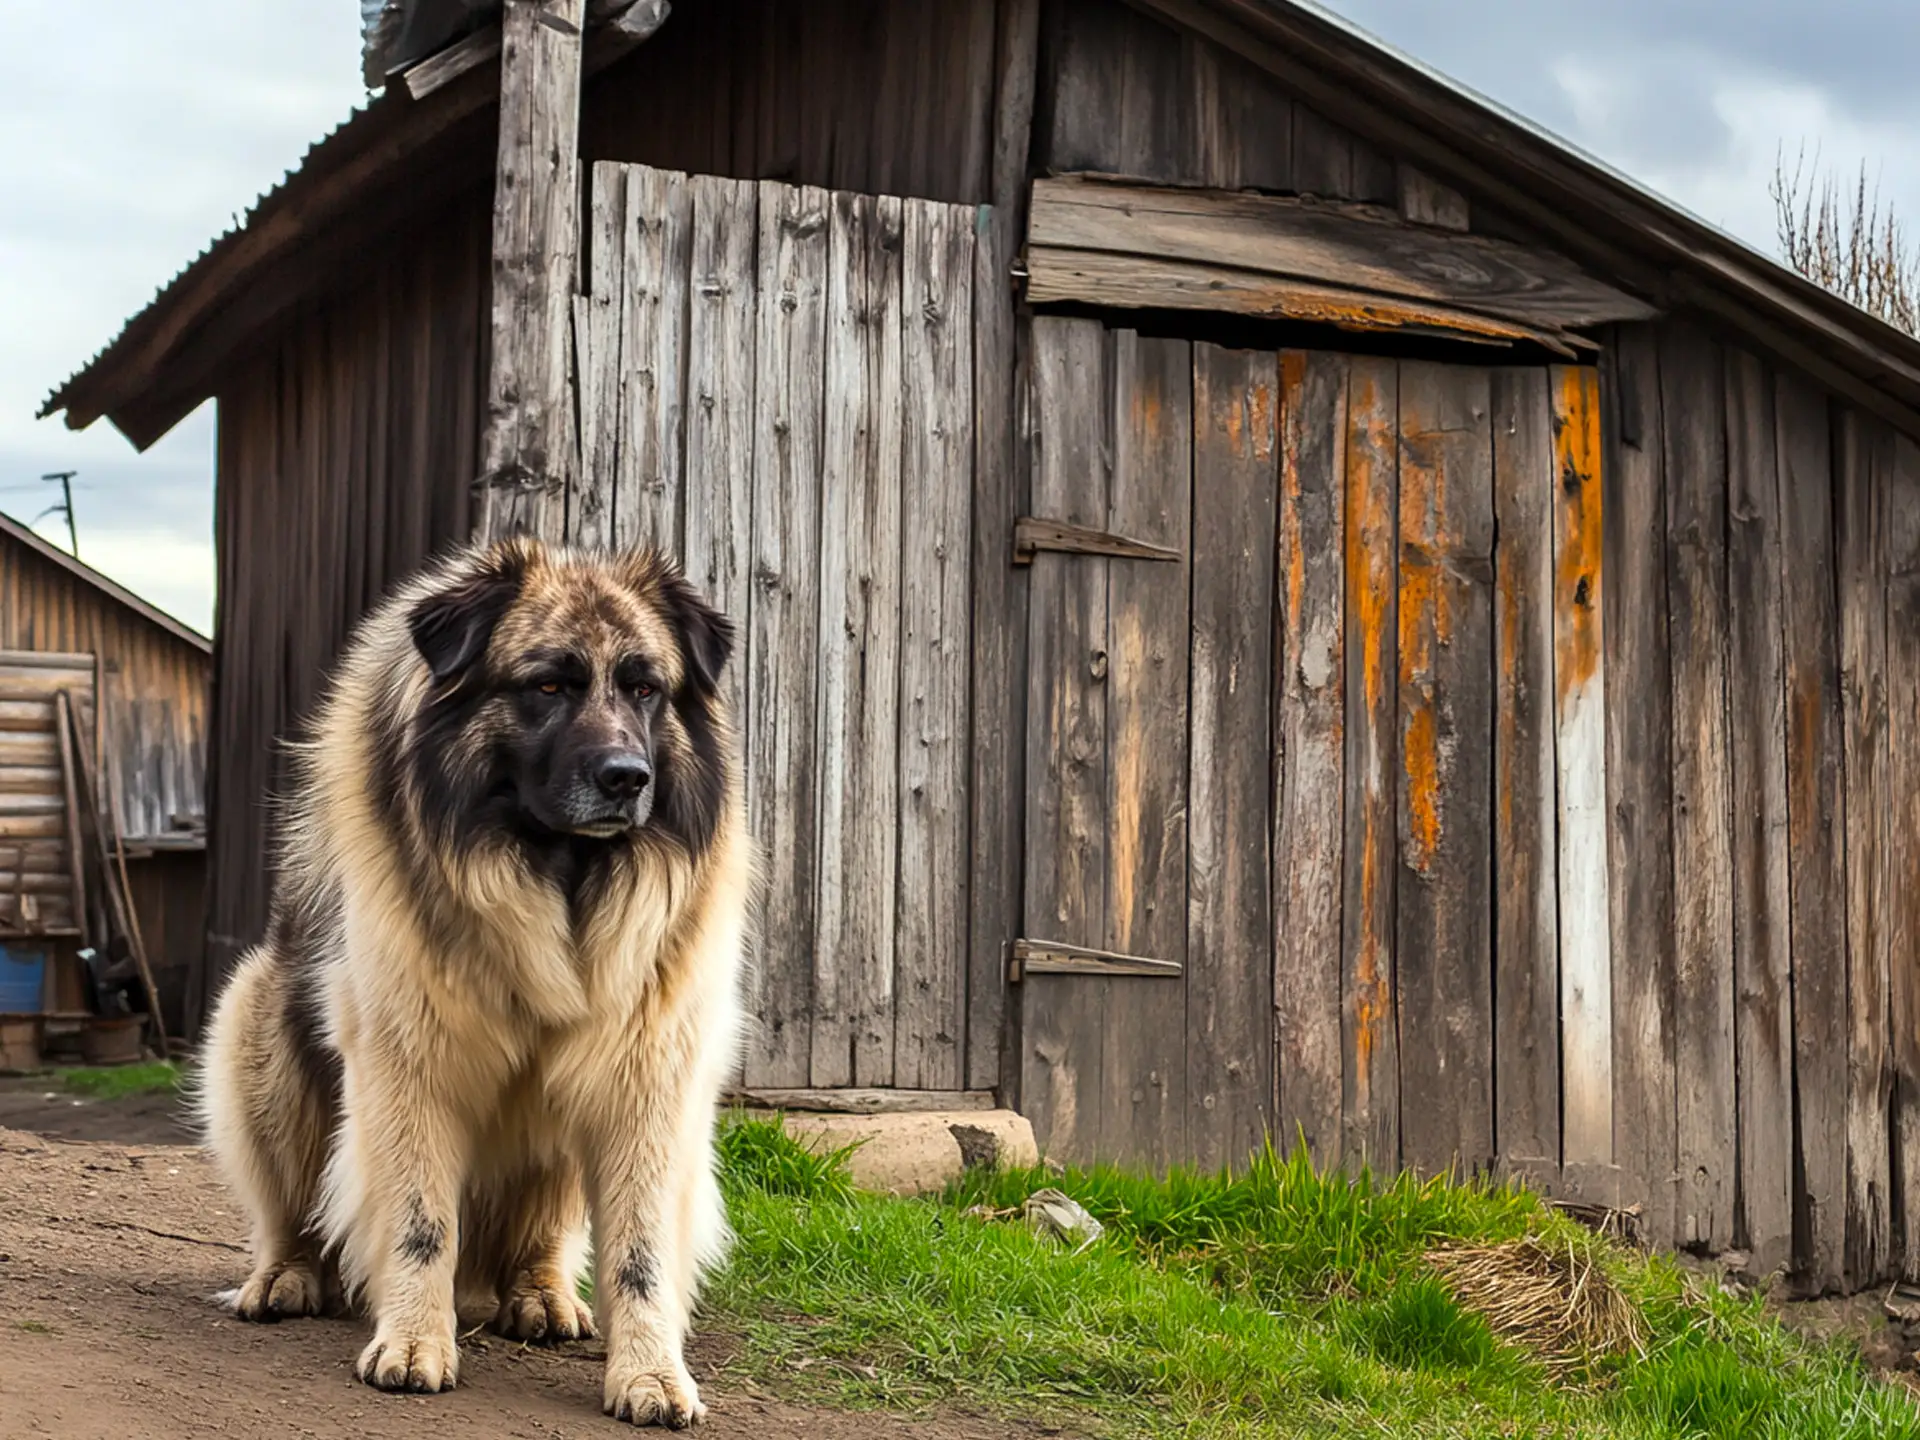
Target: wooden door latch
[1031, 535]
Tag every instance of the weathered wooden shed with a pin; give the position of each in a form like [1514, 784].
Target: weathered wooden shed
[1335, 613]
[144, 675]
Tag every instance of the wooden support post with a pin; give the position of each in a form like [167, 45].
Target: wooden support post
[528, 450]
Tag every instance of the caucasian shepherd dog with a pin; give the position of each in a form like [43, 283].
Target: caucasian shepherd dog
[498, 992]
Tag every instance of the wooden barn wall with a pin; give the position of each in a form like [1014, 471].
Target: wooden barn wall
[155, 732]
[346, 454]
[874, 96]
[1127, 95]
[1762, 718]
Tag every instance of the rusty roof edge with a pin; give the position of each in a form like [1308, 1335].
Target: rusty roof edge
[112, 589]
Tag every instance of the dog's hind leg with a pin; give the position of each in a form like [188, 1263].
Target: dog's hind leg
[528, 1241]
[267, 1107]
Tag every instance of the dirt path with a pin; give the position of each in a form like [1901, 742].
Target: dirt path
[109, 1254]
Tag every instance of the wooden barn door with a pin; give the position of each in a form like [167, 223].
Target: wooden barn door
[1145, 997]
[776, 384]
[1316, 840]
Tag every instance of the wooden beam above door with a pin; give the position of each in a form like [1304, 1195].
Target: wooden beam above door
[1103, 242]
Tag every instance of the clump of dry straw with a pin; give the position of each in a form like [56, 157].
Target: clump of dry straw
[1549, 1296]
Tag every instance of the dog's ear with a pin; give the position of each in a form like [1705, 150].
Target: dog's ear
[451, 627]
[706, 636]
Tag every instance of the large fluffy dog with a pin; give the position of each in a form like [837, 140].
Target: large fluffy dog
[499, 988]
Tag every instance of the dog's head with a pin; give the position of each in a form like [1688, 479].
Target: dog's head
[572, 695]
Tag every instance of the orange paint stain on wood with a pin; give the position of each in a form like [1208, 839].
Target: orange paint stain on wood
[1577, 511]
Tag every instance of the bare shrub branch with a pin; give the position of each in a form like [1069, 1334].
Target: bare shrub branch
[1840, 237]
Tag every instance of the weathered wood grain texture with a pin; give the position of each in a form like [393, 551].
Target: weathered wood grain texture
[783, 621]
[1066, 841]
[597, 336]
[1694, 429]
[1309, 751]
[1370, 1100]
[859, 677]
[527, 451]
[657, 250]
[1143, 1118]
[1762, 930]
[722, 324]
[1229, 905]
[1334, 163]
[1865, 464]
[1443, 910]
[1114, 281]
[1526, 1021]
[1639, 741]
[936, 398]
[1352, 247]
[1242, 127]
[996, 781]
[1580, 756]
[1816, 828]
[1425, 201]
[1903, 846]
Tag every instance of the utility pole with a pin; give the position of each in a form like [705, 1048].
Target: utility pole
[65, 507]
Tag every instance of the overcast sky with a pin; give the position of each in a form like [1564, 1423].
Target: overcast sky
[128, 142]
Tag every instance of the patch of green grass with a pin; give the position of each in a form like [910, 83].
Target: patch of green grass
[34, 1327]
[117, 1082]
[1270, 1302]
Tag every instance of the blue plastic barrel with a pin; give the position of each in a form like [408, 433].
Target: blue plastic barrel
[23, 974]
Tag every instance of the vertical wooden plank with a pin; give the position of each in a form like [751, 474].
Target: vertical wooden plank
[1903, 845]
[1322, 155]
[721, 388]
[859, 684]
[1815, 828]
[1580, 758]
[1762, 932]
[999, 588]
[1243, 123]
[1444, 920]
[1143, 1022]
[1526, 1035]
[1310, 740]
[1639, 739]
[598, 326]
[1370, 1099]
[1866, 481]
[1066, 855]
[1236, 395]
[657, 252]
[936, 366]
[1693, 406]
[782, 785]
[527, 453]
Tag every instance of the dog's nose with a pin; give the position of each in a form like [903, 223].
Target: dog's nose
[622, 774]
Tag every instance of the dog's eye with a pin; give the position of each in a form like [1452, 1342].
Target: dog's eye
[643, 691]
[549, 687]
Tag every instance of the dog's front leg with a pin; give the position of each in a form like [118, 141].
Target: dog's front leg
[642, 1309]
[396, 1202]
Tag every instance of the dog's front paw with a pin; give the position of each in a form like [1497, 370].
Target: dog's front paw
[659, 1395]
[281, 1292]
[425, 1364]
[542, 1315]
